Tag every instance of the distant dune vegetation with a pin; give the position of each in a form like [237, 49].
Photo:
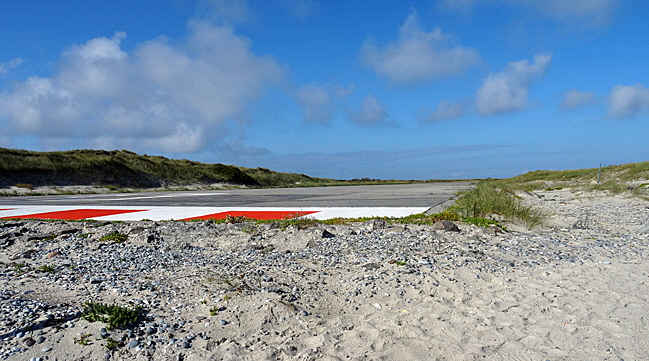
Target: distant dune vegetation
[127, 169]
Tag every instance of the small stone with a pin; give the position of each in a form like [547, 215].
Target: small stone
[103, 332]
[133, 343]
[378, 306]
[186, 344]
[224, 322]
[29, 342]
[47, 349]
[445, 225]
[41, 339]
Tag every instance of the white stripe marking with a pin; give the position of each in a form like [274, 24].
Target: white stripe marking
[165, 213]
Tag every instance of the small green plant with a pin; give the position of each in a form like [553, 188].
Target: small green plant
[298, 221]
[20, 268]
[46, 269]
[114, 237]
[83, 339]
[249, 228]
[481, 222]
[112, 315]
[400, 263]
[110, 344]
[214, 311]
[203, 302]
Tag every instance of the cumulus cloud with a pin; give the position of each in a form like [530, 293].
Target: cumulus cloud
[418, 56]
[320, 103]
[626, 101]
[372, 112]
[445, 110]
[574, 99]
[507, 91]
[163, 97]
[6, 67]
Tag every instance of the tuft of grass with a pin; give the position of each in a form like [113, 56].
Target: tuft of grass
[46, 269]
[83, 339]
[298, 221]
[20, 268]
[112, 315]
[494, 197]
[114, 237]
[25, 186]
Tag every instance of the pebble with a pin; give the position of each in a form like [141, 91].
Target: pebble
[381, 263]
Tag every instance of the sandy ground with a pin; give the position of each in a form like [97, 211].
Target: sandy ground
[574, 289]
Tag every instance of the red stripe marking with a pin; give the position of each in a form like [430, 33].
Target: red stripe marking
[76, 214]
[5, 209]
[259, 215]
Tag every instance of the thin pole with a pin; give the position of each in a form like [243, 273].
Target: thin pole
[599, 173]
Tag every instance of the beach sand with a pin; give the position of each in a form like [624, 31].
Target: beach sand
[574, 289]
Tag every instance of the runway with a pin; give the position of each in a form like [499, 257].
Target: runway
[316, 202]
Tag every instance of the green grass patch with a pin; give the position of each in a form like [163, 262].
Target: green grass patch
[46, 269]
[114, 237]
[112, 315]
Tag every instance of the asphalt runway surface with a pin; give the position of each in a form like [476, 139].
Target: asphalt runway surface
[402, 195]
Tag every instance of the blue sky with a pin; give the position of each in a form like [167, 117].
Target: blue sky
[341, 89]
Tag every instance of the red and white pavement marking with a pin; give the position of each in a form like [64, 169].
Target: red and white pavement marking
[127, 213]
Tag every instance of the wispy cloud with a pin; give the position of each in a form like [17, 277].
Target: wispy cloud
[320, 103]
[507, 91]
[173, 98]
[445, 110]
[300, 9]
[418, 57]
[372, 113]
[228, 11]
[627, 101]
[585, 12]
[6, 67]
[574, 99]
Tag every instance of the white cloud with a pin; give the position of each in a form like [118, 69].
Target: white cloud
[320, 103]
[6, 67]
[417, 56]
[445, 110]
[507, 91]
[316, 103]
[161, 96]
[626, 101]
[574, 99]
[372, 112]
